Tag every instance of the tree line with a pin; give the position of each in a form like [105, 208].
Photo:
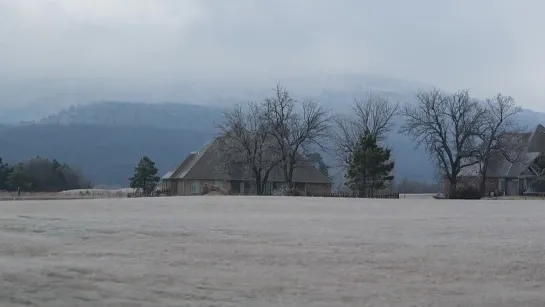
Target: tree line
[41, 175]
[285, 133]
[456, 130]
[460, 132]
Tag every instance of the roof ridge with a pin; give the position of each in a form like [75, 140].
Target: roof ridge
[178, 169]
[198, 156]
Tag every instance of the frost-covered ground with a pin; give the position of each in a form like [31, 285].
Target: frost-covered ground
[250, 251]
[70, 194]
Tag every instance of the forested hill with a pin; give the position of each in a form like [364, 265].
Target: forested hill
[106, 153]
[161, 115]
[107, 139]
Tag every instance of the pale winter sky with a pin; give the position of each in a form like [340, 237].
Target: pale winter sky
[137, 45]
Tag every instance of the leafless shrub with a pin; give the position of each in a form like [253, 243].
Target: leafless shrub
[213, 189]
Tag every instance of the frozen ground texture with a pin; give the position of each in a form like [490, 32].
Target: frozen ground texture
[259, 252]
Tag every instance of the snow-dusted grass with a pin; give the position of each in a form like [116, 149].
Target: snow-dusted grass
[272, 251]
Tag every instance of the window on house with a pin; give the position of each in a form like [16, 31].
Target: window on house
[195, 187]
[218, 183]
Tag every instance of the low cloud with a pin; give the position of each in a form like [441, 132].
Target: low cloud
[487, 45]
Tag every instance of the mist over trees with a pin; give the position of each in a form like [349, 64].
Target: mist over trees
[41, 175]
[458, 133]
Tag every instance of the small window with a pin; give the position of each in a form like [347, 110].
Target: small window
[195, 187]
[218, 183]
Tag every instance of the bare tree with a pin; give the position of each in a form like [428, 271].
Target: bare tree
[500, 135]
[448, 127]
[245, 145]
[294, 126]
[371, 115]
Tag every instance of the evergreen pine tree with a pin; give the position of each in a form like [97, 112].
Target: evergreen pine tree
[18, 179]
[145, 176]
[369, 166]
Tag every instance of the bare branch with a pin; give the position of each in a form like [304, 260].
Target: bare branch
[447, 126]
[372, 115]
[245, 145]
[294, 126]
[501, 138]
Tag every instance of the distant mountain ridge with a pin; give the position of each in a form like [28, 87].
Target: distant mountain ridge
[160, 115]
[106, 154]
[106, 138]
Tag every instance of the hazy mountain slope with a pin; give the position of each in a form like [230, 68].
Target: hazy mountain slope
[162, 115]
[110, 120]
[410, 162]
[107, 154]
[107, 139]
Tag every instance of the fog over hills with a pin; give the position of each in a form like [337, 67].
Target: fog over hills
[106, 138]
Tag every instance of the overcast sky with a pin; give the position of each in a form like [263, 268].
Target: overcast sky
[485, 45]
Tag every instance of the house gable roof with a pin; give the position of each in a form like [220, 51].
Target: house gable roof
[532, 145]
[537, 140]
[206, 165]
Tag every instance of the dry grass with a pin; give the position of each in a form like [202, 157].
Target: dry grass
[70, 194]
[272, 251]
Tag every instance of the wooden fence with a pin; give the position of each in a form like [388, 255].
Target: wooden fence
[156, 193]
[356, 195]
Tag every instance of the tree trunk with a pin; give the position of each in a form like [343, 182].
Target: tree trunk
[288, 174]
[289, 180]
[258, 187]
[484, 167]
[266, 178]
[482, 186]
[452, 188]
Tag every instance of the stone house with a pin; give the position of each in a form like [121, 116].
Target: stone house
[515, 177]
[205, 167]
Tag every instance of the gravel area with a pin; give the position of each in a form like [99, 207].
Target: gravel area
[267, 251]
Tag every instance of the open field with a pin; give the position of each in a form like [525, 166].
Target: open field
[267, 251]
[71, 194]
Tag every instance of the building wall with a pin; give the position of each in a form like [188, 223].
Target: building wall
[313, 188]
[319, 188]
[187, 186]
[183, 187]
[491, 184]
[169, 184]
[512, 187]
